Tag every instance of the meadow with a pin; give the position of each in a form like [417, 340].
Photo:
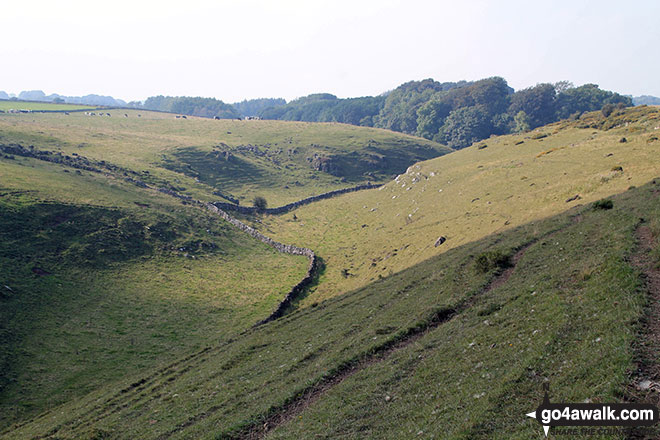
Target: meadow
[239, 159]
[492, 186]
[442, 349]
[6, 105]
[101, 279]
[129, 313]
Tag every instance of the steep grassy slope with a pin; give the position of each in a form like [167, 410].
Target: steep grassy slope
[100, 278]
[443, 349]
[282, 161]
[490, 187]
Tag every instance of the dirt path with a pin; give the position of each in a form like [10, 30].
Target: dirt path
[645, 386]
[292, 409]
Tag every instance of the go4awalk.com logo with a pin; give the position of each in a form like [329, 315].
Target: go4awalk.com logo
[595, 415]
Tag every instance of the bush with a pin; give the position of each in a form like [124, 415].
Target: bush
[260, 203]
[603, 204]
[607, 110]
[492, 260]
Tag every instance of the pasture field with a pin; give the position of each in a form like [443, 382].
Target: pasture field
[127, 313]
[6, 105]
[448, 348]
[493, 186]
[101, 279]
[282, 161]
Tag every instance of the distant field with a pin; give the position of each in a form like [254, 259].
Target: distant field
[282, 161]
[29, 105]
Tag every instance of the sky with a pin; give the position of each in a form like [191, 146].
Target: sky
[244, 49]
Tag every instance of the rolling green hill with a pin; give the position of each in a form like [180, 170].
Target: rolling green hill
[129, 312]
[282, 161]
[490, 187]
[445, 349]
[101, 278]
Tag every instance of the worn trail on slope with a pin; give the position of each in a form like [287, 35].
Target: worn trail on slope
[290, 410]
[646, 381]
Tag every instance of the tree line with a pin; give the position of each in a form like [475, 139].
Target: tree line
[453, 113]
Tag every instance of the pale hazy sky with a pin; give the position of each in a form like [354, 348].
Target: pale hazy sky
[239, 49]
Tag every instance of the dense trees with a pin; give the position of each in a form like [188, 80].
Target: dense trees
[477, 110]
[186, 105]
[324, 107]
[586, 98]
[399, 112]
[537, 102]
[254, 107]
[454, 113]
[470, 111]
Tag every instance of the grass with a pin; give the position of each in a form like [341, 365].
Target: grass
[474, 376]
[106, 279]
[241, 159]
[6, 105]
[134, 339]
[468, 195]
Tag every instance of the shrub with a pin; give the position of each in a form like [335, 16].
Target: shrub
[490, 260]
[575, 116]
[260, 203]
[603, 204]
[607, 110]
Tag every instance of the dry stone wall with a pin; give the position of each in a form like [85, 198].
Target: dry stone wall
[82, 162]
[294, 205]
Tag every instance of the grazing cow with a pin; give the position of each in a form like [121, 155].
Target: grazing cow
[125, 115]
[66, 113]
[184, 117]
[139, 116]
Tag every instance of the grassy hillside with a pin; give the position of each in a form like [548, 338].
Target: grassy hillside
[444, 349]
[404, 335]
[490, 187]
[6, 105]
[282, 161]
[100, 278]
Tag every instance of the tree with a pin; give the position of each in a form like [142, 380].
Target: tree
[607, 110]
[562, 86]
[521, 122]
[466, 125]
[537, 102]
[399, 112]
[587, 98]
[430, 118]
[260, 203]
